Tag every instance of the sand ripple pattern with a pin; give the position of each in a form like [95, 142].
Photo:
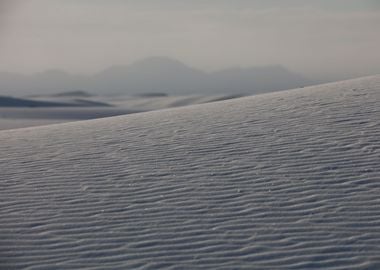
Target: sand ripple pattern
[288, 180]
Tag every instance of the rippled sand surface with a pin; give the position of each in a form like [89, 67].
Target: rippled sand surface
[288, 180]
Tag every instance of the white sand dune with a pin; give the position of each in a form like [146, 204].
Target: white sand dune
[11, 118]
[22, 102]
[45, 110]
[287, 180]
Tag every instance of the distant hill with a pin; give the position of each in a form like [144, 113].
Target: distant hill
[20, 102]
[156, 75]
[76, 93]
[7, 101]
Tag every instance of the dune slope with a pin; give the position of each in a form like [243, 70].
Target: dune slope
[286, 180]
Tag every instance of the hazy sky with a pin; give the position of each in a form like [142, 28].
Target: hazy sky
[313, 37]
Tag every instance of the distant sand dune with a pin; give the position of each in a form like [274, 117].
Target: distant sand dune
[20, 102]
[287, 180]
[23, 102]
[67, 107]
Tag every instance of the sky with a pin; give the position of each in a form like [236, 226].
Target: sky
[317, 38]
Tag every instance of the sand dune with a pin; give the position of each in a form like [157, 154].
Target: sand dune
[68, 107]
[287, 180]
[22, 102]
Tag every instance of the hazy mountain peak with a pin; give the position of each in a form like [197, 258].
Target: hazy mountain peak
[159, 74]
[159, 64]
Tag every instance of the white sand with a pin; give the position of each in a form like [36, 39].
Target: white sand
[84, 109]
[287, 180]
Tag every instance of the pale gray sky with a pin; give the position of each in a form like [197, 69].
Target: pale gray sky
[320, 37]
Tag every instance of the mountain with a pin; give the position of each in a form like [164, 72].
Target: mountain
[156, 74]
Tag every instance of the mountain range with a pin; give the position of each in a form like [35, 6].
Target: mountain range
[155, 75]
